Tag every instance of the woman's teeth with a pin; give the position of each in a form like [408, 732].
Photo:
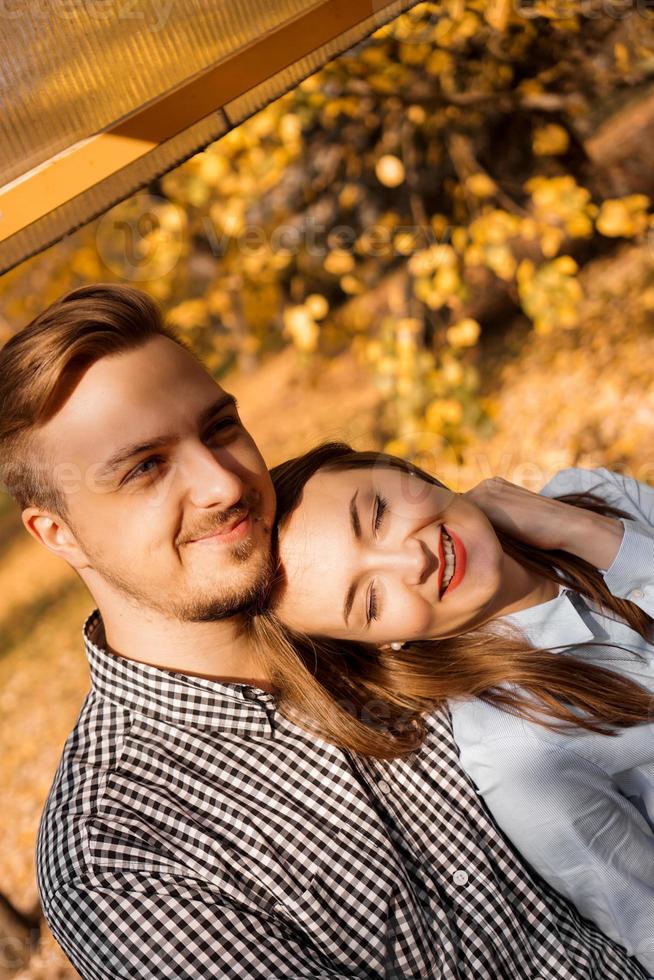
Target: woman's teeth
[450, 560]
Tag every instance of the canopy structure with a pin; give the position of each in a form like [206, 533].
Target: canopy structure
[101, 98]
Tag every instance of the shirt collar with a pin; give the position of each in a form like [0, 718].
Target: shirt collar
[552, 623]
[175, 698]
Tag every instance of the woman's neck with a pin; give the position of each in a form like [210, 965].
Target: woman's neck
[522, 588]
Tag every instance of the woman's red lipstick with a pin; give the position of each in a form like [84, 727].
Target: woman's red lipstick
[460, 560]
[441, 560]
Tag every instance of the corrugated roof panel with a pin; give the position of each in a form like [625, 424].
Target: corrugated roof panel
[82, 132]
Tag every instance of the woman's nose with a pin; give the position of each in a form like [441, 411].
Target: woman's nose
[411, 559]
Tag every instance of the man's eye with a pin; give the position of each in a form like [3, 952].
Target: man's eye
[143, 468]
[381, 506]
[222, 425]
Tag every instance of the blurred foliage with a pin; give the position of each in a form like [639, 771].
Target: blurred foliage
[445, 153]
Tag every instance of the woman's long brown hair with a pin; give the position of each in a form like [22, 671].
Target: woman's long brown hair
[373, 700]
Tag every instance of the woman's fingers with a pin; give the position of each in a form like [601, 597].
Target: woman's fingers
[529, 516]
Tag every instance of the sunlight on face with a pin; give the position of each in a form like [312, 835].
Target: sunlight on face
[163, 463]
[364, 557]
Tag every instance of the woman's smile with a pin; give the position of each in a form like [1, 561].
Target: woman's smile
[373, 554]
[454, 562]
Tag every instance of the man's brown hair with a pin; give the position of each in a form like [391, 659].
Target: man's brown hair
[41, 365]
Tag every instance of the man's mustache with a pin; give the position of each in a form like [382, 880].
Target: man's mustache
[249, 502]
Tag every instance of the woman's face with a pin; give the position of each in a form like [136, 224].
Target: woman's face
[368, 552]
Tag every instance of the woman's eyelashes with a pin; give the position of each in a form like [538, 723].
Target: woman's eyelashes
[372, 611]
[379, 510]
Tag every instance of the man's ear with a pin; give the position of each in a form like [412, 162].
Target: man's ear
[54, 534]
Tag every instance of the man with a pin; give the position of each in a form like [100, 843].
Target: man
[192, 831]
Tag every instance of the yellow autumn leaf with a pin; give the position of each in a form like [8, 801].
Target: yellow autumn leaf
[473, 255]
[439, 63]
[349, 195]
[405, 242]
[397, 447]
[373, 350]
[500, 260]
[579, 226]
[497, 13]
[440, 225]
[421, 263]
[302, 329]
[465, 333]
[390, 170]
[565, 265]
[443, 255]
[443, 410]
[423, 289]
[317, 305]
[218, 302]
[623, 217]
[351, 285]
[459, 239]
[480, 185]
[551, 239]
[550, 294]
[404, 387]
[189, 313]
[446, 281]
[212, 168]
[417, 114]
[290, 127]
[452, 371]
[622, 57]
[550, 140]
[172, 218]
[339, 262]
[528, 229]
[494, 227]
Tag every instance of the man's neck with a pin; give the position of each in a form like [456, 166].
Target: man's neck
[219, 650]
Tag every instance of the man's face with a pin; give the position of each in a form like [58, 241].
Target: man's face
[168, 496]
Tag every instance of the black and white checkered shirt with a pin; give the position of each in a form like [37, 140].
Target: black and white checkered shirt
[193, 832]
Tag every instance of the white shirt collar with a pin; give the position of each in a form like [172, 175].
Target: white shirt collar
[557, 621]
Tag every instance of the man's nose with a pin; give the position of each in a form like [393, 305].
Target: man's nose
[212, 479]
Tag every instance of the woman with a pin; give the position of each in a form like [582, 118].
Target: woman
[530, 615]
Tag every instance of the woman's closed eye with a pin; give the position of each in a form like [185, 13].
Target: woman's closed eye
[372, 605]
[379, 512]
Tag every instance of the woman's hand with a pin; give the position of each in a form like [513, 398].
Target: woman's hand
[547, 523]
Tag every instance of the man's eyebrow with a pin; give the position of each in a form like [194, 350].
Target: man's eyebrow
[126, 453]
[356, 530]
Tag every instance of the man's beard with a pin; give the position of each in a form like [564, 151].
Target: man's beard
[247, 593]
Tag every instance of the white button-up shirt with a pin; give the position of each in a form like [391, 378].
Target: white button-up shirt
[580, 806]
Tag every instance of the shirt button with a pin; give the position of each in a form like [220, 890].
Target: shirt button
[384, 787]
[460, 877]
[249, 693]
[636, 594]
